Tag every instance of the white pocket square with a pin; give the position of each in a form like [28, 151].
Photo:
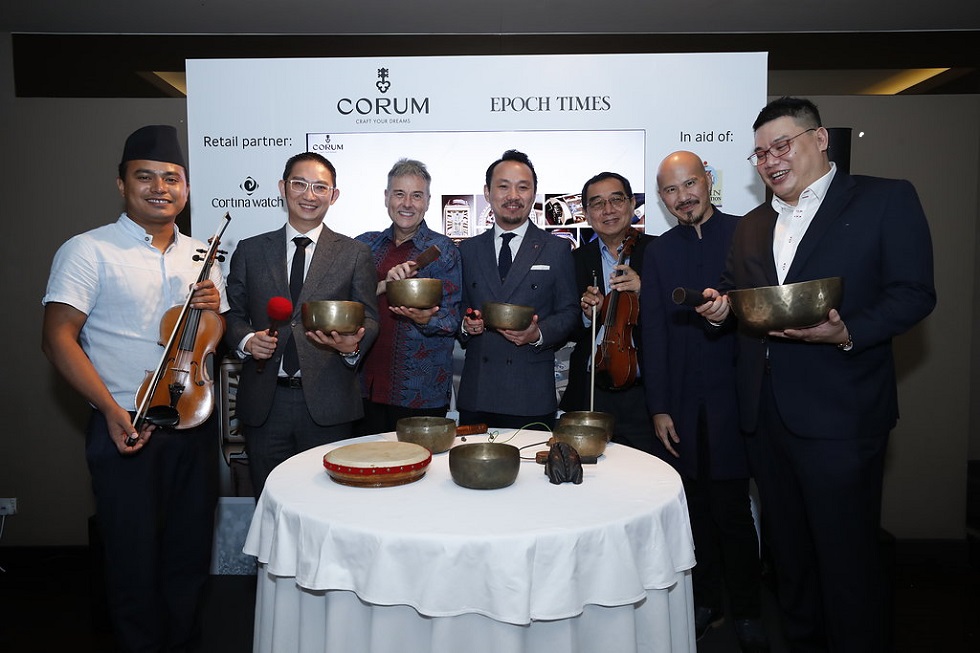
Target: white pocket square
[540, 267]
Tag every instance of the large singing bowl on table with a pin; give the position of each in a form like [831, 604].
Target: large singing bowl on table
[513, 317]
[484, 465]
[790, 306]
[333, 315]
[414, 293]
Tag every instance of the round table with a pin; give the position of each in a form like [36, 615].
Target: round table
[432, 566]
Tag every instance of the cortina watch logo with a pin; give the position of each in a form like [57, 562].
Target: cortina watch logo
[383, 84]
[249, 185]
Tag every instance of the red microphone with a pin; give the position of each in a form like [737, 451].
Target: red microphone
[279, 310]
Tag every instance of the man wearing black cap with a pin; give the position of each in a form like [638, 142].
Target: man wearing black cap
[107, 293]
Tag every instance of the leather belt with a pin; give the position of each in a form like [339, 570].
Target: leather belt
[290, 381]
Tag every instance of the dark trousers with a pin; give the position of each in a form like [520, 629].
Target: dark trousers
[726, 545]
[287, 431]
[504, 421]
[155, 511]
[382, 418]
[632, 424]
[821, 514]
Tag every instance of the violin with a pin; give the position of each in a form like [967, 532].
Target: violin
[616, 359]
[180, 392]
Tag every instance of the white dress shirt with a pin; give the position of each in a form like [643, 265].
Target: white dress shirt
[793, 221]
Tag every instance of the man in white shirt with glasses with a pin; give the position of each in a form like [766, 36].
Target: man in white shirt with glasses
[298, 389]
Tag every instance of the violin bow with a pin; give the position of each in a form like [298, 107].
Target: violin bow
[595, 283]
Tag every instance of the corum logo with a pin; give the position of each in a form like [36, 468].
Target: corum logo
[326, 146]
[383, 84]
[382, 106]
[249, 185]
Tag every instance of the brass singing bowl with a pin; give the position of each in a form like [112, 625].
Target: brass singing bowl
[514, 317]
[790, 306]
[326, 316]
[484, 465]
[436, 434]
[604, 421]
[414, 293]
[587, 440]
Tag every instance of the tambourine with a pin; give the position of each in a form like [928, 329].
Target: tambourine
[377, 464]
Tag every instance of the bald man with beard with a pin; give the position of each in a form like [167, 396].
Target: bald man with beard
[691, 396]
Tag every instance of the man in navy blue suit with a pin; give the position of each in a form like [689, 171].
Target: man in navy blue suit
[691, 397]
[818, 403]
[508, 376]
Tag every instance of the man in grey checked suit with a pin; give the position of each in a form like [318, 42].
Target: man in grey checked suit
[508, 376]
[285, 410]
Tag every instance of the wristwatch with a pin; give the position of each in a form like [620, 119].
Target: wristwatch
[847, 345]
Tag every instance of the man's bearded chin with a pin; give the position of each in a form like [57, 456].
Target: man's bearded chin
[517, 219]
[691, 217]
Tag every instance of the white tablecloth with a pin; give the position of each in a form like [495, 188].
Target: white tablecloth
[431, 566]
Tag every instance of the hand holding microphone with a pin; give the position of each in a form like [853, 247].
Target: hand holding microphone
[279, 310]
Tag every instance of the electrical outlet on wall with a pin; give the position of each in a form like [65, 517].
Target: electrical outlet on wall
[8, 507]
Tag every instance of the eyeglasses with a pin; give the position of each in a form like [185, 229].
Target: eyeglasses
[299, 187]
[616, 202]
[777, 150]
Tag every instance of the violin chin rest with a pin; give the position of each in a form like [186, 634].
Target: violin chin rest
[163, 416]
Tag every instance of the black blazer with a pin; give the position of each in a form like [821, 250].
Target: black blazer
[874, 234]
[588, 265]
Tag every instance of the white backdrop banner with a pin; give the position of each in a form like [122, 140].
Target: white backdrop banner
[573, 115]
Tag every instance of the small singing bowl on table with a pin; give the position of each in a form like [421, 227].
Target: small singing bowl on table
[588, 441]
[333, 315]
[512, 317]
[484, 465]
[604, 421]
[414, 292]
[436, 434]
[790, 306]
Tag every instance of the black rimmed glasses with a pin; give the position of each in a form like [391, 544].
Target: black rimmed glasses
[777, 150]
[299, 187]
[616, 202]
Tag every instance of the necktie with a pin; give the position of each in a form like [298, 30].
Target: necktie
[506, 258]
[290, 358]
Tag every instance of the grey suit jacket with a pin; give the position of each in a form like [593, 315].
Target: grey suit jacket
[341, 269]
[498, 376]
